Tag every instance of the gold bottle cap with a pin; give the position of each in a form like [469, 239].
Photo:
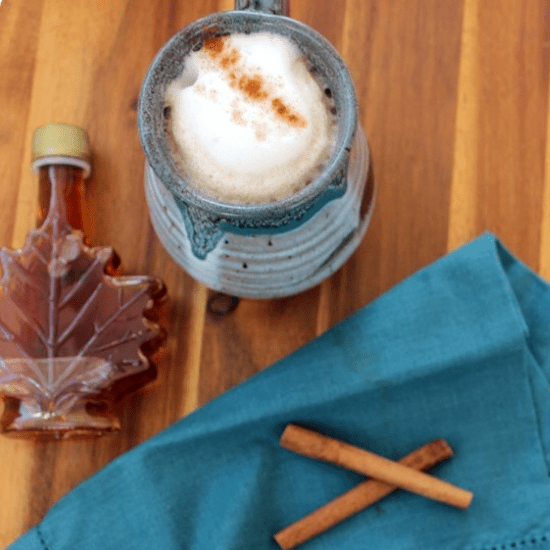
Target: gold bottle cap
[61, 144]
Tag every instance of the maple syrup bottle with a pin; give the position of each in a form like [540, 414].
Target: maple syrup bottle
[73, 337]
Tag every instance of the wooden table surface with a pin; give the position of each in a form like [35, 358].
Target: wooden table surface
[454, 100]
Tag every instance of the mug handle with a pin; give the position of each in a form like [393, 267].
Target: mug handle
[277, 7]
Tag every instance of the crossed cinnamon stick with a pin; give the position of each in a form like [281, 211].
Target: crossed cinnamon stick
[386, 476]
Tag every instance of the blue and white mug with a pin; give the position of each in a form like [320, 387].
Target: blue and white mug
[271, 249]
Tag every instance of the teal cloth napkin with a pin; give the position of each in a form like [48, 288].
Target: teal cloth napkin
[460, 350]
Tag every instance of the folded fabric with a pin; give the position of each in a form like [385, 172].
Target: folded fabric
[460, 350]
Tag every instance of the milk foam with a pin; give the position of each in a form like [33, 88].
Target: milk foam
[249, 121]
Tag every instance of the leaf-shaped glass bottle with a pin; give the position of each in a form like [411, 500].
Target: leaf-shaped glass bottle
[74, 336]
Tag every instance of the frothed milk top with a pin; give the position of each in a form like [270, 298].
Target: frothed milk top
[248, 120]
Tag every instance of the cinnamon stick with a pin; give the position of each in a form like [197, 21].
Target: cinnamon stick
[316, 445]
[356, 499]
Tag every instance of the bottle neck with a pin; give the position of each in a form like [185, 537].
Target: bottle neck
[61, 191]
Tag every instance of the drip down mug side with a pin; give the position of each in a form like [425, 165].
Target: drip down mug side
[267, 249]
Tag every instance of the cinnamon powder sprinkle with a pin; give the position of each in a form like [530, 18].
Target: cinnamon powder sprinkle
[214, 46]
[286, 114]
[230, 59]
[253, 86]
[237, 117]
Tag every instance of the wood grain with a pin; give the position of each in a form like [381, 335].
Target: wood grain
[454, 100]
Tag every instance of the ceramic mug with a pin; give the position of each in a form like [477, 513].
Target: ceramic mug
[272, 249]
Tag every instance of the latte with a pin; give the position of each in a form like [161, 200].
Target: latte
[248, 121]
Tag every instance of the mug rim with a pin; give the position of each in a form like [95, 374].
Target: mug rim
[161, 162]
